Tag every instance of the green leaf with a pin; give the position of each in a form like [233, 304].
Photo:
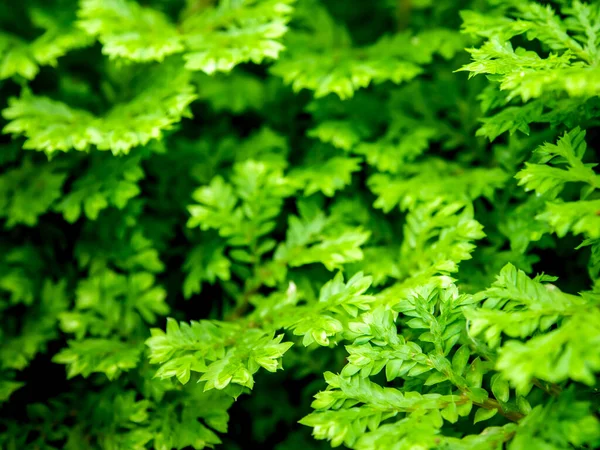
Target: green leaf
[158, 102]
[484, 414]
[460, 359]
[500, 388]
[7, 387]
[108, 356]
[206, 262]
[450, 413]
[209, 348]
[435, 378]
[128, 30]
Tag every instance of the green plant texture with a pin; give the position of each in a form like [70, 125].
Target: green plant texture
[299, 224]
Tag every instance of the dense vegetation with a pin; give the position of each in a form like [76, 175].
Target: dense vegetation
[299, 224]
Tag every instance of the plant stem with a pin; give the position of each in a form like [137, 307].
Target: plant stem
[403, 8]
[490, 403]
[244, 304]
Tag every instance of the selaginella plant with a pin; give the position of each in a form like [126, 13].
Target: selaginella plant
[299, 224]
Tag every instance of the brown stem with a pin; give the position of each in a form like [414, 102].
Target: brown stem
[241, 309]
[403, 8]
[490, 403]
[194, 8]
[550, 388]
[198, 6]
[249, 291]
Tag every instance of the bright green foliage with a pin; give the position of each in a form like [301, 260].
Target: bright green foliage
[202, 347]
[518, 307]
[572, 43]
[429, 181]
[568, 151]
[559, 81]
[128, 30]
[213, 38]
[298, 224]
[232, 353]
[98, 355]
[321, 57]
[580, 217]
[155, 104]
